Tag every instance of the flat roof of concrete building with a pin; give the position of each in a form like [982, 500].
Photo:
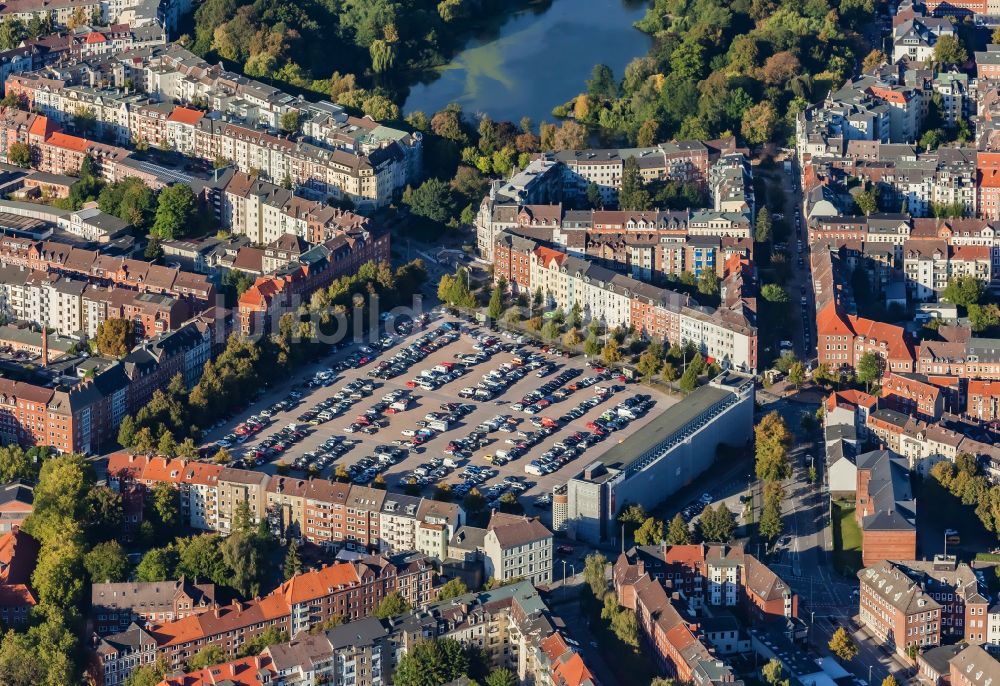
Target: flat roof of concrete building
[663, 426]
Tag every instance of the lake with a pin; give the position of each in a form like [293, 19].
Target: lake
[536, 59]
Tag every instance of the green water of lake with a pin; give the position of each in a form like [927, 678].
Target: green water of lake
[537, 59]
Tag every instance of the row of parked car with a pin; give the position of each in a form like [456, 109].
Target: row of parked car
[407, 357]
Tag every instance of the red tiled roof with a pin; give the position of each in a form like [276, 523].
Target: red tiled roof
[318, 583]
[68, 142]
[249, 671]
[185, 115]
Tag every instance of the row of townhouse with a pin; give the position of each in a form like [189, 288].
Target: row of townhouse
[907, 603]
[532, 199]
[82, 413]
[973, 358]
[249, 206]
[325, 513]
[614, 299]
[705, 575]
[98, 269]
[76, 308]
[348, 590]
[843, 338]
[652, 579]
[928, 252]
[334, 515]
[262, 305]
[924, 443]
[333, 154]
[511, 624]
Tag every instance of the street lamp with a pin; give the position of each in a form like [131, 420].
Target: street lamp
[870, 675]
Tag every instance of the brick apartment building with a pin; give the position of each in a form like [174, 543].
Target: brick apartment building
[350, 590]
[896, 610]
[715, 575]
[983, 400]
[885, 509]
[114, 606]
[912, 394]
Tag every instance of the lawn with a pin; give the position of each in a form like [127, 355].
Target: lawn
[846, 538]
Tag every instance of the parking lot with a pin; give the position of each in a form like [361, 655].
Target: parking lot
[428, 425]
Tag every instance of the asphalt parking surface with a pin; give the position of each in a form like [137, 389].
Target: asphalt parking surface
[430, 401]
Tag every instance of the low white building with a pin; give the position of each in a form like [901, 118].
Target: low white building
[518, 547]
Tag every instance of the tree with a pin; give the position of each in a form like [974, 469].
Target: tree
[289, 122]
[433, 201]
[689, 379]
[626, 627]
[717, 525]
[867, 200]
[154, 249]
[591, 346]
[147, 675]
[270, 636]
[773, 293]
[669, 372]
[773, 672]
[293, 563]
[595, 574]
[842, 645]
[648, 133]
[797, 374]
[571, 338]
[126, 432]
[759, 122]
[19, 153]
[452, 589]
[175, 210]
[610, 353]
[633, 194]
[964, 291]
[157, 565]
[115, 337]
[983, 317]
[206, 657]
[198, 557]
[501, 676]
[708, 282]
[650, 533]
[474, 502]
[869, 369]
[772, 442]
[875, 58]
[392, 605]
[431, 662]
[649, 365]
[771, 524]
[678, 532]
[601, 85]
[495, 308]
[164, 509]
[762, 229]
[106, 562]
[949, 50]
[891, 680]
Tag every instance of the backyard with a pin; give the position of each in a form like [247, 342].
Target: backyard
[846, 538]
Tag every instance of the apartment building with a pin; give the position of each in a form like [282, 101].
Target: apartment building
[336, 155]
[983, 400]
[974, 666]
[18, 557]
[248, 671]
[118, 655]
[675, 644]
[710, 575]
[885, 508]
[912, 394]
[16, 503]
[895, 610]
[928, 266]
[518, 547]
[325, 513]
[511, 624]
[612, 299]
[261, 305]
[350, 590]
[114, 606]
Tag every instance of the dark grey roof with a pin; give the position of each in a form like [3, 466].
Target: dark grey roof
[359, 633]
[17, 491]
